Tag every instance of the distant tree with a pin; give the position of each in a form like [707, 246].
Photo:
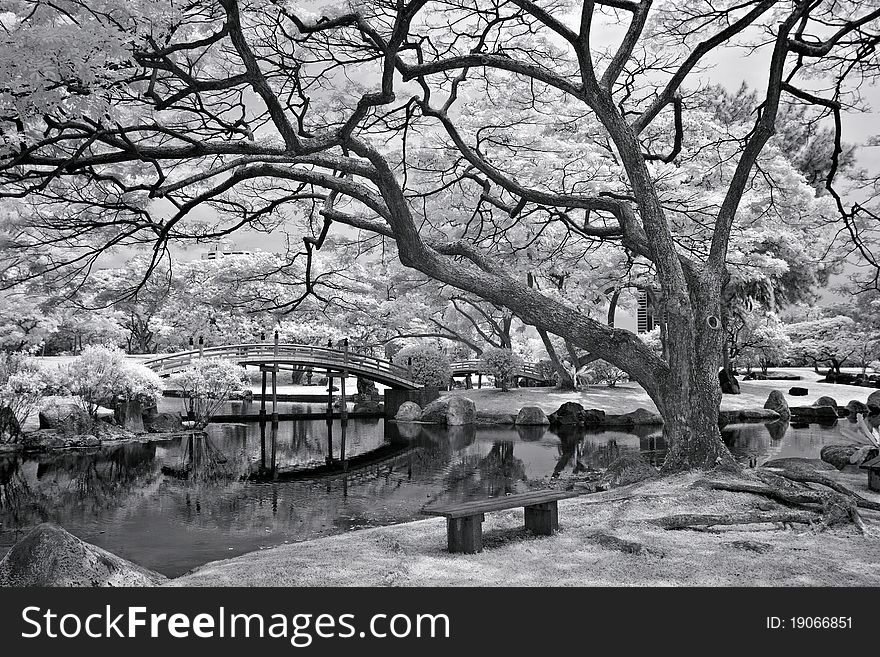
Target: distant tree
[833, 341]
[758, 339]
[501, 364]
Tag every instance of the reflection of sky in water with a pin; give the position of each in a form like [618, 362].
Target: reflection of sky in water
[119, 498]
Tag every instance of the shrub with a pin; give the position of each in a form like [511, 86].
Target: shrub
[22, 386]
[603, 372]
[500, 364]
[429, 366]
[206, 385]
[102, 376]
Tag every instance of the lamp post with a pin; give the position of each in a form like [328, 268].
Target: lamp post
[201, 346]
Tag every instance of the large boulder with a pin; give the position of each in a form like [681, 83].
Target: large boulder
[826, 401]
[842, 455]
[814, 414]
[130, 414]
[636, 418]
[874, 401]
[570, 413]
[435, 412]
[460, 412]
[747, 415]
[532, 415]
[855, 407]
[163, 423]
[628, 468]
[776, 402]
[64, 415]
[729, 384]
[573, 414]
[50, 556]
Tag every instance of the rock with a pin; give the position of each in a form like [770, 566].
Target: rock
[629, 468]
[435, 412]
[797, 391]
[42, 440]
[842, 455]
[855, 407]
[874, 401]
[820, 414]
[826, 401]
[409, 411]
[494, 419]
[460, 412]
[9, 427]
[752, 546]
[573, 414]
[638, 417]
[83, 440]
[368, 407]
[163, 423]
[842, 378]
[568, 413]
[65, 416]
[130, 415]
[532, 415]
[729, 384]
[776, 402]
[799, 464]
[747, 415]
[594, 416]
[51, 556]
[366, 387]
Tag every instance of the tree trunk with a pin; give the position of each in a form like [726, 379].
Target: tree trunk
[691, 397]
[565, 380]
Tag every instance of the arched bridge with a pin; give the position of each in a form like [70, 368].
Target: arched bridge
[270, 354]
[526, 370]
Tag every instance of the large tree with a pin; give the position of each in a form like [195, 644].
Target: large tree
[467, 132]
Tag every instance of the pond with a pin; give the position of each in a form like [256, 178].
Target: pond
[174, 505]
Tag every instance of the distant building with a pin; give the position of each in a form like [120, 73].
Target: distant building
[648, 317]
[222, 249]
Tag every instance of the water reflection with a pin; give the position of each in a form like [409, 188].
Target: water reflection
[239, 487]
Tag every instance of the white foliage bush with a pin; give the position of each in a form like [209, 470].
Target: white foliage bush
[429, 366]
[102, 376]
[206, 385]
[22, 387]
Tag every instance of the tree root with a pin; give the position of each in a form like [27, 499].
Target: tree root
[689, 520]
[836, 506]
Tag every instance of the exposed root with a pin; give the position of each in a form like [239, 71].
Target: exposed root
[838, 506]
[689, 520]
[818, 478]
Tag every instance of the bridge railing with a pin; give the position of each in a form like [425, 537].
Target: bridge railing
[312, 354]
[528, 370]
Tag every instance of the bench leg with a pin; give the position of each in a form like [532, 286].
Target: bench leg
[542, 519]
[465, 534]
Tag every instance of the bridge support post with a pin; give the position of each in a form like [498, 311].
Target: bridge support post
[263, 396]
[275, 385]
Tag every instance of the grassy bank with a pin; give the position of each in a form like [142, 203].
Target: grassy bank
[413, 554]
[630, 396]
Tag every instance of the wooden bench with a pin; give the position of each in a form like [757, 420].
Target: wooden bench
[464, 521]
